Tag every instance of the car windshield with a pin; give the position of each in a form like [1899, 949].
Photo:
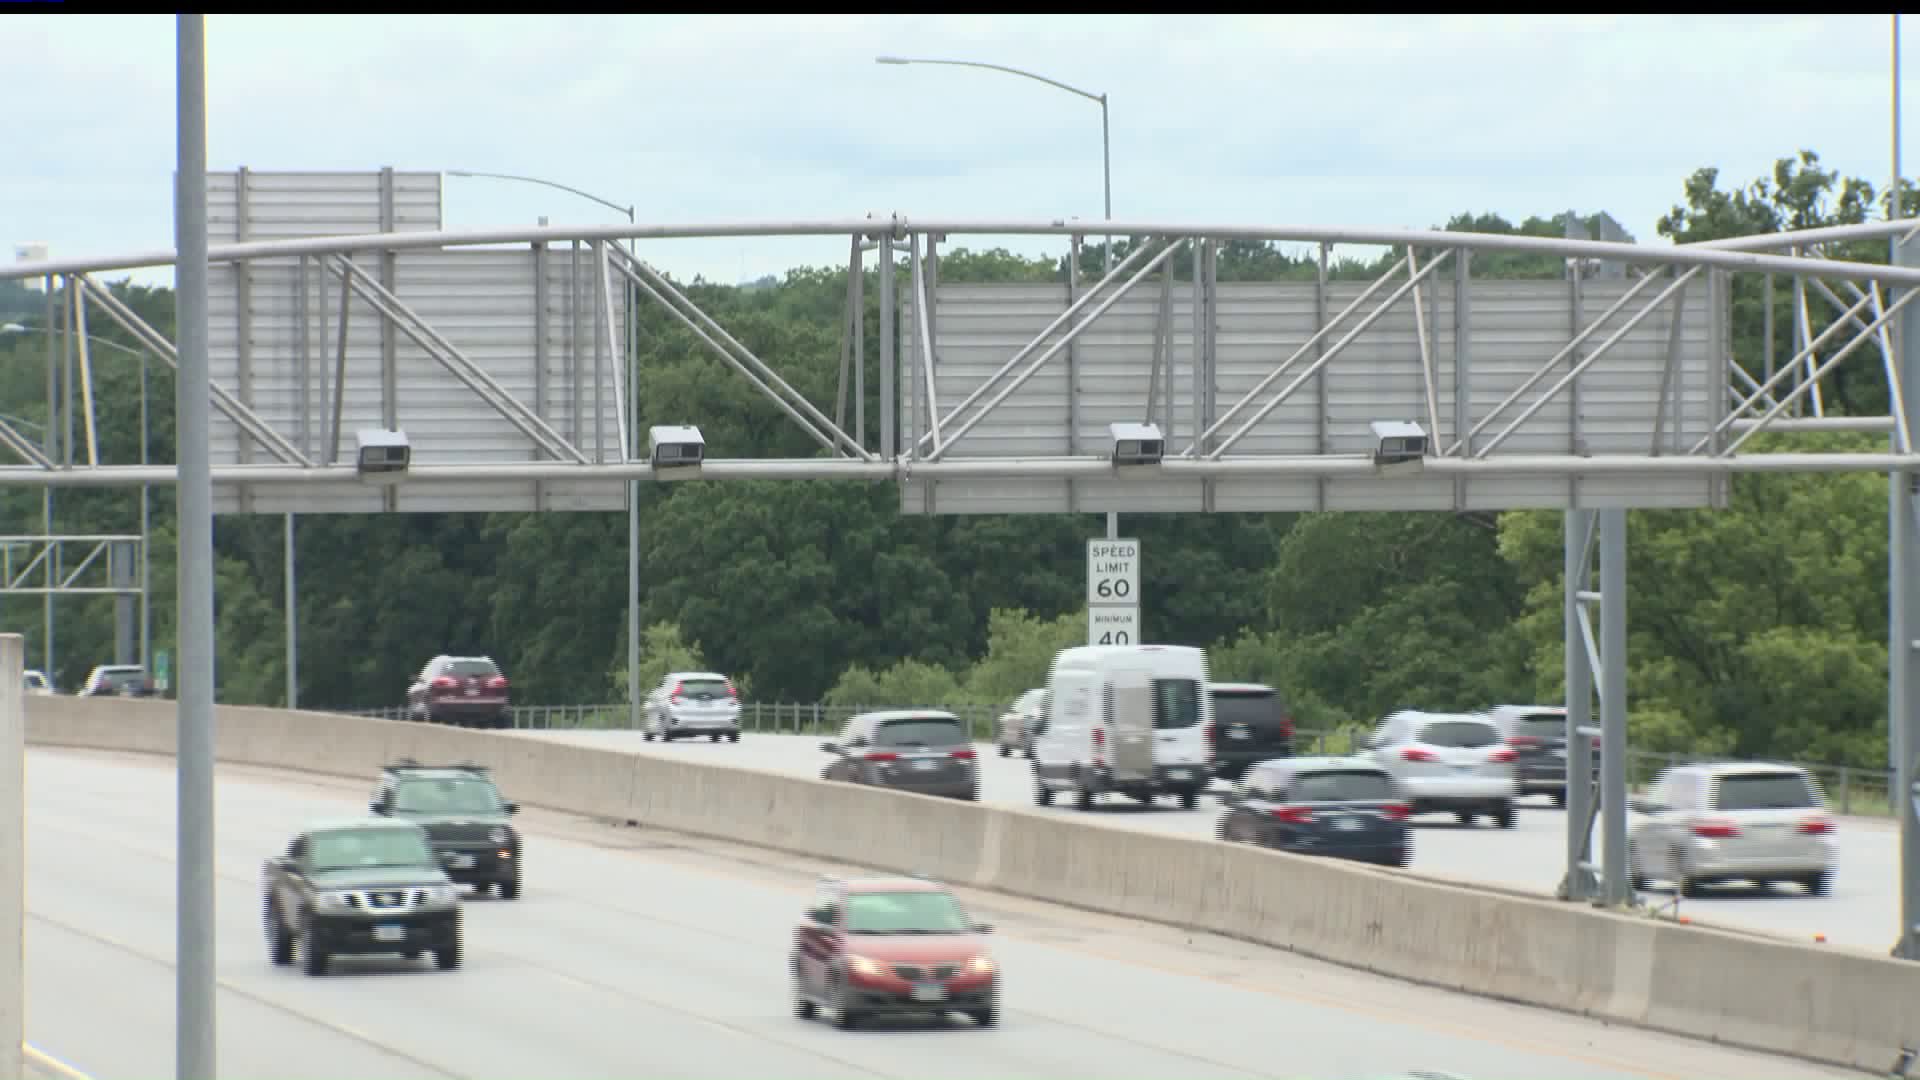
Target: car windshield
[702, 689]
[345, 849]
[1176, 703]
[919, 733]
[472, 669]
[1465, 734]
[914, 912]
[1347, 785]
[446, 796]
[1765, 791]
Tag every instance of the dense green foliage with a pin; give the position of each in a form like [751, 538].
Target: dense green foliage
[1758, 630]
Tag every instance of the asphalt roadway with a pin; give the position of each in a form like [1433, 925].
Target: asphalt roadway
[636, 953]
[1861, 912]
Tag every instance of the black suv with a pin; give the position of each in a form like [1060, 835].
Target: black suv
[357, 886]
[1251, 724]
[464, 816]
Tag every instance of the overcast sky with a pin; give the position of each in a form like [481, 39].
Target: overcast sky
[1281, 119]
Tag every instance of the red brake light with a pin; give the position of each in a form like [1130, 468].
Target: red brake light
[1504, 754]
[1415, 753]
[1298, 815]
[1213, 734]
[733, 691]
[1397, 811]
[882, 755]
[1716, 830]
[1815, 826]
[443, 682]
[1286, 726]
[1596, 742]
[675, 694]
[498, 682]
[1099, 744]
[964, 755]
[1523, 742]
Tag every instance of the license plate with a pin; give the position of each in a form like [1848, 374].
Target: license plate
[1561, 754]
[473, 691]
[1178, 774]
[389, 933]
[929, 992]
[1239, 733]
[462, 862]
[926, 765]
[1346, 824]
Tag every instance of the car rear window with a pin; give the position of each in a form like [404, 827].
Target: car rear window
[1176, 703]
[1466, 734]
[471, 667]
[1764, 791]
[1542, 726]
[919, 733]
[1344, 785]
[1261, 709]
[703, 689]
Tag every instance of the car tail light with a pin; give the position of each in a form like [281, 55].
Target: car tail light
[1415, 753]
[1286, 727]
[1502, 755]
[1213, 734]
[498, 682]
[964, 755]
[678, 690]
[883, 755]
[1716, 830]
[1596, 742]
[1297, 815]
[1099, 745]
[733, 692]
[1396, 811]
[444, 682]
[1524, 742]
[1816, 826]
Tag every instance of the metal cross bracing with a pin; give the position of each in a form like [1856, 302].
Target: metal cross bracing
[98, 565]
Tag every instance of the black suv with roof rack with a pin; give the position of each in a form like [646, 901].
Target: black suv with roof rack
[465, 817]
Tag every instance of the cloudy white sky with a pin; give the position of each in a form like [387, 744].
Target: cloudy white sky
[1273, 119]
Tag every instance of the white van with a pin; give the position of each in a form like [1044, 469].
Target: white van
[1135, 719]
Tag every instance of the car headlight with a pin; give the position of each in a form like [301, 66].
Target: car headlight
[333, 900]
[863, 966]
[499, 836]
[443, 894]
[980, 965]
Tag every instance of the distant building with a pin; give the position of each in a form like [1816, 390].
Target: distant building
[1600, 226]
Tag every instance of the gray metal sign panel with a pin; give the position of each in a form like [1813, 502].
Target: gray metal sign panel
[1512, 329]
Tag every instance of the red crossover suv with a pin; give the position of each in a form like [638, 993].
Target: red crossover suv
[875, 946]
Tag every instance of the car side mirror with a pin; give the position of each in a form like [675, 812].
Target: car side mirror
[1646, 806]
[983, 928]
[378, 806]
[512, 807]
[831, 748]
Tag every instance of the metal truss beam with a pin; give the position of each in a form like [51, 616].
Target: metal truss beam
[409, 322]
[20, 444]
[25, 558]
[157, 344]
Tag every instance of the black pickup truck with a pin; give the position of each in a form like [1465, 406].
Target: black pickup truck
[360, 886]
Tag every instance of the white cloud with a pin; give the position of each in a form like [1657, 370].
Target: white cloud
[1336, 120]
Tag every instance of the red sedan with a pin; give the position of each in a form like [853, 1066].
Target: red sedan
[877, 946]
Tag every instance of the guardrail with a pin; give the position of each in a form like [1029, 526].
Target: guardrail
[1852, 790]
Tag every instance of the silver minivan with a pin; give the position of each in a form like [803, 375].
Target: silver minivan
[1448, 761]
[1730, 821]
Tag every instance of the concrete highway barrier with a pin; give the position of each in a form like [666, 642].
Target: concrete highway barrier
[1835, 1006]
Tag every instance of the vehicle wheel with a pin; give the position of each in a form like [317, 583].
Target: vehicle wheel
[279, 942]
[1465, 816]
[1042, 794]
[843, 1016]
[1820, 884]
[715, 737]
[1560, 798]
[1504, 815]
[510, 888]
[1005, 750]
[1189, 799]
[448, 958]
[733, 736]
[313, 958]
[647, 735]
[987, 1017]
[1082, 795]
[1406, 856]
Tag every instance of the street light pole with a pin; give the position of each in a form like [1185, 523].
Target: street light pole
[631, 450]
[1106, 164]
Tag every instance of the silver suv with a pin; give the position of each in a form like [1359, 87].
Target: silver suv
[1729, 821]
[1448, 761]
[689, 704]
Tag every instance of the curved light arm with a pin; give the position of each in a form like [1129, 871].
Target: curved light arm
[627, 210]
[1101, 98]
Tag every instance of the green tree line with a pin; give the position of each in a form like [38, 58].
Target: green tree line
[1759, 630]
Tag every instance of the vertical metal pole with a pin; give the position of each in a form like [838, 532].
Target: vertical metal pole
[1106, 179]
[889, 445]
[1903, 667]
[1613, 706]
[1579, 702]
[194, 948]
[146, 525]
[633, 505]
[293, 618]
[860, 347]
[13, 854]
[123, 572]
[51, 447]
[1766, 331]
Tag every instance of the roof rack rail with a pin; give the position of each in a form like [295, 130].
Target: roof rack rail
[413, 763]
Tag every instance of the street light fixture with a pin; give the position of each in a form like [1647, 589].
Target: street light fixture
[633, 428]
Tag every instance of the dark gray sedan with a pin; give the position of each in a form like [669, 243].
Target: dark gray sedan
[923, 750]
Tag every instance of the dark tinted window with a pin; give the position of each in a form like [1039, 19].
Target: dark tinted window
[1764, 791]
[467, 668]
[1351, 785]
[1176, 703]
[1466, 734]
[1263, 711]
[703, 689]
[1541, 726]
[919, 733]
